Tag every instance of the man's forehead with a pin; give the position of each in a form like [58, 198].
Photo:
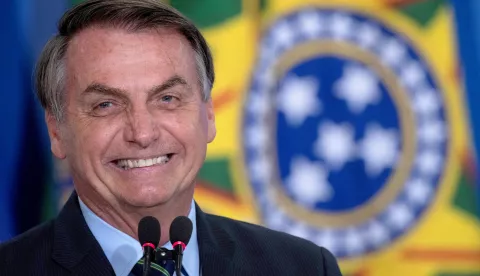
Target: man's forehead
[101, 48]
[109, 37]
[114, 56]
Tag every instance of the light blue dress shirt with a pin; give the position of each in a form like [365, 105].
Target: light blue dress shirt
[123, 251]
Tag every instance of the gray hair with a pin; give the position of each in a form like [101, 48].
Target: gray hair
[132, 15]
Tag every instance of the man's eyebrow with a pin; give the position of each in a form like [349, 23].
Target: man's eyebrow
[171, 82]
[98, 88]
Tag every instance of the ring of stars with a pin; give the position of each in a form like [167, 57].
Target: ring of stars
[308, 180]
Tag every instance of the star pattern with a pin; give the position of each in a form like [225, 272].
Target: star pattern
[358, 139]
[341, 25]
[298, 99]
[311, 24]
[359, 87]
[308, 182]
[393, 51]
[368, 35]
[418, 191]
[335, 144]
[379, 149]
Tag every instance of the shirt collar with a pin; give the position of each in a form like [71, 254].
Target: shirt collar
[123, 251]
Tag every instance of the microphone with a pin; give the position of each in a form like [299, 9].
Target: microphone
[149, 237]
[180, 233]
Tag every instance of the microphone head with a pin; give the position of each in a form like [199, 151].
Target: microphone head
[149, 231]
[181, 230]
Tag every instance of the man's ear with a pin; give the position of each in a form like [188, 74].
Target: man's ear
[56, 139]
[212, 130]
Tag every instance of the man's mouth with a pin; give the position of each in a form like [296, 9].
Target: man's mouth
[127, 164]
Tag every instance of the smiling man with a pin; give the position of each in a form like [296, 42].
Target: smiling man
[126, 90]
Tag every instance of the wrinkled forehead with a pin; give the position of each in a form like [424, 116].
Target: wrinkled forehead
[105, 39]
[100, 52]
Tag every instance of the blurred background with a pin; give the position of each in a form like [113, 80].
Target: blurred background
[354, 124]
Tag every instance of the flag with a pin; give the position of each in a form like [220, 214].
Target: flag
[467, 24]
[345, 123]
[10, 106]
[231, 30]
[25, 174]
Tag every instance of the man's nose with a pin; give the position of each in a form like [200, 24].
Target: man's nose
[142, 129]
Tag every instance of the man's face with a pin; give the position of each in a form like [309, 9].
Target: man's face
[136, 128]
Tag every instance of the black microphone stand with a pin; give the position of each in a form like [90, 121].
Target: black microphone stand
[178, 257]
[147, 259]
[162, 255]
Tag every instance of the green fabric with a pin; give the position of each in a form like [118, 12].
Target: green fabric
[263, 5]
[422, 11]
[465, 197]
[207, 13]
[216, 172]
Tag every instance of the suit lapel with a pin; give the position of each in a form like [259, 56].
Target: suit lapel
[75, 247]
[216, 249]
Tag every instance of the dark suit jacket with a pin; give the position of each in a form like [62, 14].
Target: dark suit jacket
[65, 246]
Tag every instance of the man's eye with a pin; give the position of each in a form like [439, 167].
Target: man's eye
[106, 108]
[167, 98]
[105, 105]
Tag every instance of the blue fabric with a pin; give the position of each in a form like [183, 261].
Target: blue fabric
[24, 144]
[468, 32]
[11, 112]
[123, 251]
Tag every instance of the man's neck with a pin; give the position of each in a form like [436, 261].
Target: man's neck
[125, 217]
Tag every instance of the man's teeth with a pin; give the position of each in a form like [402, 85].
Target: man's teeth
[140, 163]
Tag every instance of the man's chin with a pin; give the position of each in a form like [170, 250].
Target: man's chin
[142, 200]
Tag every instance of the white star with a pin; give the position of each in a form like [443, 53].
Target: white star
[335, 144]
[432, 132]
[328, 240]
[354, 242]
[266, 78]
[284, 34]
[430, 162]
[260, 168]
[368, 35]
[399, 216]
[427, 102]
[256, 136]
[418, 191]
[299, 230]
[308, 182]
[379, 149]
[259, 104]
[263, 199]
[276, 219]
[392, 51]
[412, 74]
[266, 53]
[359, 87]
[377, 233]
[298, 99]
[311, 24]
[341, 26]
[269, 196]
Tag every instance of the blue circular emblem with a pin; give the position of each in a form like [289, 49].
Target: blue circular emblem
[345, 134]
